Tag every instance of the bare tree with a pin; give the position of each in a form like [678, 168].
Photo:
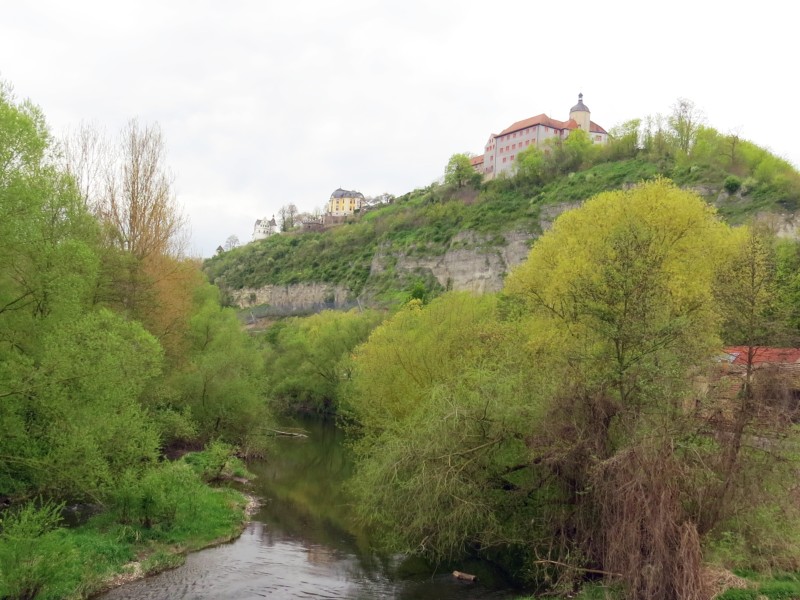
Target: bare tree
[138, 200]
[86, 155]
[232, 242]
[128, 185]
[684, 123]
[288, 215]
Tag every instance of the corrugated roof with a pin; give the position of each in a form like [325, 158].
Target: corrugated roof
[763, 355]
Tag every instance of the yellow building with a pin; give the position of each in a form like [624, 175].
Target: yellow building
[344, 202]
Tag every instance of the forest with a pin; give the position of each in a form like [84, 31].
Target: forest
[114, 351]
[584, 428]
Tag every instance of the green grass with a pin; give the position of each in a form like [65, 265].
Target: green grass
[427, 221]
[40, 559]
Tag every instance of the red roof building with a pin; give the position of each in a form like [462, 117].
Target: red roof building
[502, 148]
[763, 355]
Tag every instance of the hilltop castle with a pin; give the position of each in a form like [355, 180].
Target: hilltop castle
[500, 150]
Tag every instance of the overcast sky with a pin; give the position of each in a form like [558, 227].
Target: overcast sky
[265, 103]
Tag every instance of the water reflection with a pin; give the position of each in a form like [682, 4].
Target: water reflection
[302, 543]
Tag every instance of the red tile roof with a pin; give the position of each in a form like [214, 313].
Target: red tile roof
[476, 160]
[595, 128]
[763, 355]
[543, 119]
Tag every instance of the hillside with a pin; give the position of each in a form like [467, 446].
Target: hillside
[448, 237]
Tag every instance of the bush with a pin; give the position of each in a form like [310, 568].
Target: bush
[153, 500]
[732, 184]
[216, 462]
[32, 560]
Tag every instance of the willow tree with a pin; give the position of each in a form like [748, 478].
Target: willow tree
[621, 297]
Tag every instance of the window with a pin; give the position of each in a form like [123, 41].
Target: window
[501, 149]
[512, 157]
[504, 159]
[506, 148]
[513, 146]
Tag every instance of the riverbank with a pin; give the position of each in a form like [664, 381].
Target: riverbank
[41, 559]
[172, 556]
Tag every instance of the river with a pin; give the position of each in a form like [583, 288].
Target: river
[302, 543]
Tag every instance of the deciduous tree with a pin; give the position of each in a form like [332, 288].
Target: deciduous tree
[460, 173]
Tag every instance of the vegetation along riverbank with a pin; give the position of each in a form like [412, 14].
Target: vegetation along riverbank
[613, 413]
[113, 349]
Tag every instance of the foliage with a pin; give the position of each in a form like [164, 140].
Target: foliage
[29, 568]
[308, 359]
[168, 512]
[459, 172]
[732, 184]
[585, 449]
[439, 395]
[221, 382]
[217, 462]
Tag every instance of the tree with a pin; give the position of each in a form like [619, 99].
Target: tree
[530, 164]
[684, 122]
[442, 396]
[85, 154]
[621, 297]
[624, 140]
[232, 242]
[308, 359]
[138, 201]
[460, 173]
[288, 215]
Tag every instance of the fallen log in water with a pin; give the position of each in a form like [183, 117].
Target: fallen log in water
[464, 576]
[287, 433]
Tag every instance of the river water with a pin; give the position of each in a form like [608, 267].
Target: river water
[302, 543]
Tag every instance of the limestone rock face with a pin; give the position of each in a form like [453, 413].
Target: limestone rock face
[471, 263]
[298, 297]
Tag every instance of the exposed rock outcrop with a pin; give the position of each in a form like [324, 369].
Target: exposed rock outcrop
[471, 263]
[295, 298]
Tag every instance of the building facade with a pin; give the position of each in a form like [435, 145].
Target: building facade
[502, 148]
[344, 203]
[264, 228]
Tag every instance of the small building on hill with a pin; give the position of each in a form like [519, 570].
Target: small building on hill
[264, 228]
[502, 148]
[477, 163]
[344, 202]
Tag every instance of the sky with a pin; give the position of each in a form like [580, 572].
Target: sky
[267, 103]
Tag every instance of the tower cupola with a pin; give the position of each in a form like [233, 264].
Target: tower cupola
[580, 112]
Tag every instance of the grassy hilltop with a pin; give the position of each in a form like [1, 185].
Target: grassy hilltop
[739, 177]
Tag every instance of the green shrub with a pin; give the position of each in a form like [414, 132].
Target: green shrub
[32, 560]
[216, 462]
[732, 184]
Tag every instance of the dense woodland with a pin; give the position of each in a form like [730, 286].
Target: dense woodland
[113, 348]
[572, 428]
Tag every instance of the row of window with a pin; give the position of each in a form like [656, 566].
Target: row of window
[509, 136]
[514, 146]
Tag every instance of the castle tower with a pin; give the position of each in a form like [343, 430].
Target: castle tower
[580, 112]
